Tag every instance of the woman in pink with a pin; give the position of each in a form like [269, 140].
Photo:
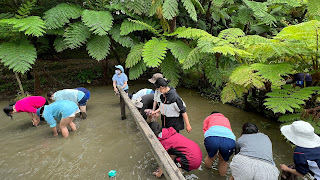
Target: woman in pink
[29, 105]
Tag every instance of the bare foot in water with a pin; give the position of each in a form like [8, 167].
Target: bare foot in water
[158, 173]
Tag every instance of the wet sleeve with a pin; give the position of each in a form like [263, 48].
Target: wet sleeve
[180, 105]
[301, 163]
[50, 120]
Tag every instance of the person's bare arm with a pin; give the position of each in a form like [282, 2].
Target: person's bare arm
[114, 86]
[292, 171]
[186, 120]
[125, 84]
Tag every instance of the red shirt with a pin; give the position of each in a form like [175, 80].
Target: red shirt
[216, 119]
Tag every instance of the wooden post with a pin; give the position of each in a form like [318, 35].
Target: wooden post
[123, 108]
[170, 170]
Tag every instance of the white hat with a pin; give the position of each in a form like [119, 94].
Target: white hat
[302, 134]
[137, 102]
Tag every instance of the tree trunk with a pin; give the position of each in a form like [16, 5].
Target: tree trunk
[20, 85]
[105, 72]
[37, 88]
[172, 24]
[218, 55]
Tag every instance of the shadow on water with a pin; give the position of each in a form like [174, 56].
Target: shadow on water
[103, 141]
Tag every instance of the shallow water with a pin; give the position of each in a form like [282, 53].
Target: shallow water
[104, 142]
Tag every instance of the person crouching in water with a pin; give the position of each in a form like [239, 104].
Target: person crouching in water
[218, 138]
[181, 149]
[73, 95]
[253, 159]
[172, 108]
[30, 105]
[64, 111]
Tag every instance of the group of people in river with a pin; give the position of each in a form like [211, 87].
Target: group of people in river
[64, 108]
[253, 157]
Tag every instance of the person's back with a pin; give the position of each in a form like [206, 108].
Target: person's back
[69, 94]
[141, 93]
[306, 160]
[184, 148]
[30, 104]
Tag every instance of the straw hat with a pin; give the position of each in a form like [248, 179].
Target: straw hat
[302, 134]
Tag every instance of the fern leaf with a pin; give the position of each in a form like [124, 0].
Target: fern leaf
[100, 22]
[231, 33]
[129, 26]
[154, 52]
[198, 5]
[18, 56]
[76, 35]
[32, 25]
[230, 50]
[313, 7]
[244, 76]
[59, 15]
[59, 44]
[25, 8]
[59, 31]
[136, 71]
[190, 8]
[98, 47]
[189, 33]
[138, 6]
[232, 91]
[290, 117]
[216, 76]
[273, 72]
[170, 9]
[193, 58]
[293, 3]
[134, 56]
[6, 15]
[125, 41]
[149, 27]
[179, 49]
[260, 11]
[170, 69]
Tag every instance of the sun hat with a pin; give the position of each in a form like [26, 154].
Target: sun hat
[120, 67]
[302, 134]
[155, 77]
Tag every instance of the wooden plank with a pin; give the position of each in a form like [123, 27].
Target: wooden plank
[169, 168]
[123, 108]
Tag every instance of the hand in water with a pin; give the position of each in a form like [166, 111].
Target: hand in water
[55, 134]
[188, 128]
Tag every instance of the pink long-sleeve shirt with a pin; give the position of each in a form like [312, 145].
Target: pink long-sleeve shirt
[30, 104]
[216, 119]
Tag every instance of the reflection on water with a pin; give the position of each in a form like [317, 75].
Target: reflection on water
[104, 142]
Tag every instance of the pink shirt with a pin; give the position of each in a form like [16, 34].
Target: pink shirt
[216, 119]
[30, 104]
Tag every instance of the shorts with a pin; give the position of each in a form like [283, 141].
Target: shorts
[127, 90]
[225, 146]
[245, 167]
[83, 101]
[74, 114]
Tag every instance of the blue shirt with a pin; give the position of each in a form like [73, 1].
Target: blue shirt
[58, 110]
[69, 94]
[219, 131]
[307, 160]
[120, 79]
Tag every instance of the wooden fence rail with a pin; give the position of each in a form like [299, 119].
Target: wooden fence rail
[169, 168]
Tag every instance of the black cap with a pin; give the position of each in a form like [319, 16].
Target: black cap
[155, 127]
[160, 82]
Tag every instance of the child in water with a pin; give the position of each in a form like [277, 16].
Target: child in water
[120, 78]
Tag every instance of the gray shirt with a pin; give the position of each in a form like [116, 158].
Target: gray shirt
[255, 145]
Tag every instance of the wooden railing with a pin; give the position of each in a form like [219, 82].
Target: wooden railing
[169, 168]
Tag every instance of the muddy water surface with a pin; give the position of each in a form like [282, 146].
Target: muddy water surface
[103, 141]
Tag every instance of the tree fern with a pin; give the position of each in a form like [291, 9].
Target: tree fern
[313, 7]
[170, 9]
[128, 26]
[125, 41]
[289, 118]
[6, 15]
[138, 6]
[138, 27]
[134, 56]
[98, 47]
[32, 25]
[293, 3]
[18, 55]
[231, 33]
[179, 49]
[170, 70]
[288, 99]
[193, 58]
[59, 44]
[136, 71]
[198, 5]
[59, 15]
[244, 76]
[232, 91]
[260, 11]
[76, 35]
[216, 76]
[100, 22]
[190, 8]
[154, 52]
[189, 33]
[273, 72]
[25, 8]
